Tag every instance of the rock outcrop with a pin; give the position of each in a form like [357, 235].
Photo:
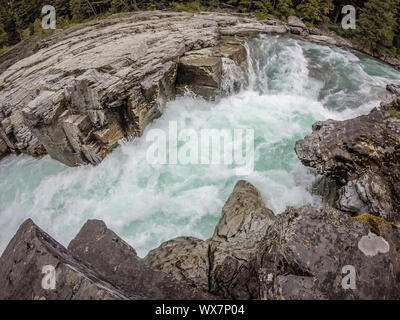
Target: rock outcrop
[36, 267]
[97, 266]
[322, 253]
[85, 88]
[220, 264]
[113, 259]
[362, 157]
[305, 253]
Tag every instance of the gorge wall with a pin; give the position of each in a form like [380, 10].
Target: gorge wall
[85, 88]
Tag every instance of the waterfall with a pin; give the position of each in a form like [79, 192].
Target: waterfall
[290, 85]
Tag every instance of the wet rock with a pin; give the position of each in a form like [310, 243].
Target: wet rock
[301, 254]
[185, 258]
[120, 73]
[322, 253]
[203, 71]
[304, 253]
[116, 261]
[221, 265]
[200, 72]
[294, 21]
[35, 267]
[362, 156]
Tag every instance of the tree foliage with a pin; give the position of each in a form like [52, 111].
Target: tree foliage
[378, 22]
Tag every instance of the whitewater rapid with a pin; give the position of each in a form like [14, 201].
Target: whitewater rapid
[292, 85]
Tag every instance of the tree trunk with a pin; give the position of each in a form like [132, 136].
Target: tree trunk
[135, 6]
[337, 14]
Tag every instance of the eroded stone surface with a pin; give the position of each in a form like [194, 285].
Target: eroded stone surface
[304, 254]
[362, 156]
[114, 77]
[23, 262]
[116, 261]
[220, 265]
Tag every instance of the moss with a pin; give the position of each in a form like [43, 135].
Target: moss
[393, 113]
[374, 222]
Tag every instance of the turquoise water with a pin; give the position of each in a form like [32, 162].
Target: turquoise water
[293, 84]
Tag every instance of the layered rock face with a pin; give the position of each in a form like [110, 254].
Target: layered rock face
[80, 91]
[322, 253]
[97, 266]
[361, 156]
[89, 86]
[112, 258]
[35, 267]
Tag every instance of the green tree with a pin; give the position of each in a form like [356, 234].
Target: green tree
[315, 11]
[377, 24]
[284, 9]
[62, 7]
[24, 14]
[262, 8]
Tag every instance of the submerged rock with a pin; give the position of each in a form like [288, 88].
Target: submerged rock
[362, 156]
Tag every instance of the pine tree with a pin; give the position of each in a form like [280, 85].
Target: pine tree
[3, 36]
[123, 5]
[377, 24]
[24, 14]
[81, 10]
[315, 11]
[262, 8]
[284, 9]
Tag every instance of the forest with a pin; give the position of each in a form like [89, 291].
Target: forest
[377, 24]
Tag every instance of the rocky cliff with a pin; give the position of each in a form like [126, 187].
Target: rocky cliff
[361, 157]
[98, 265]
[80, 91]
[304, 253]
[89, 86]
